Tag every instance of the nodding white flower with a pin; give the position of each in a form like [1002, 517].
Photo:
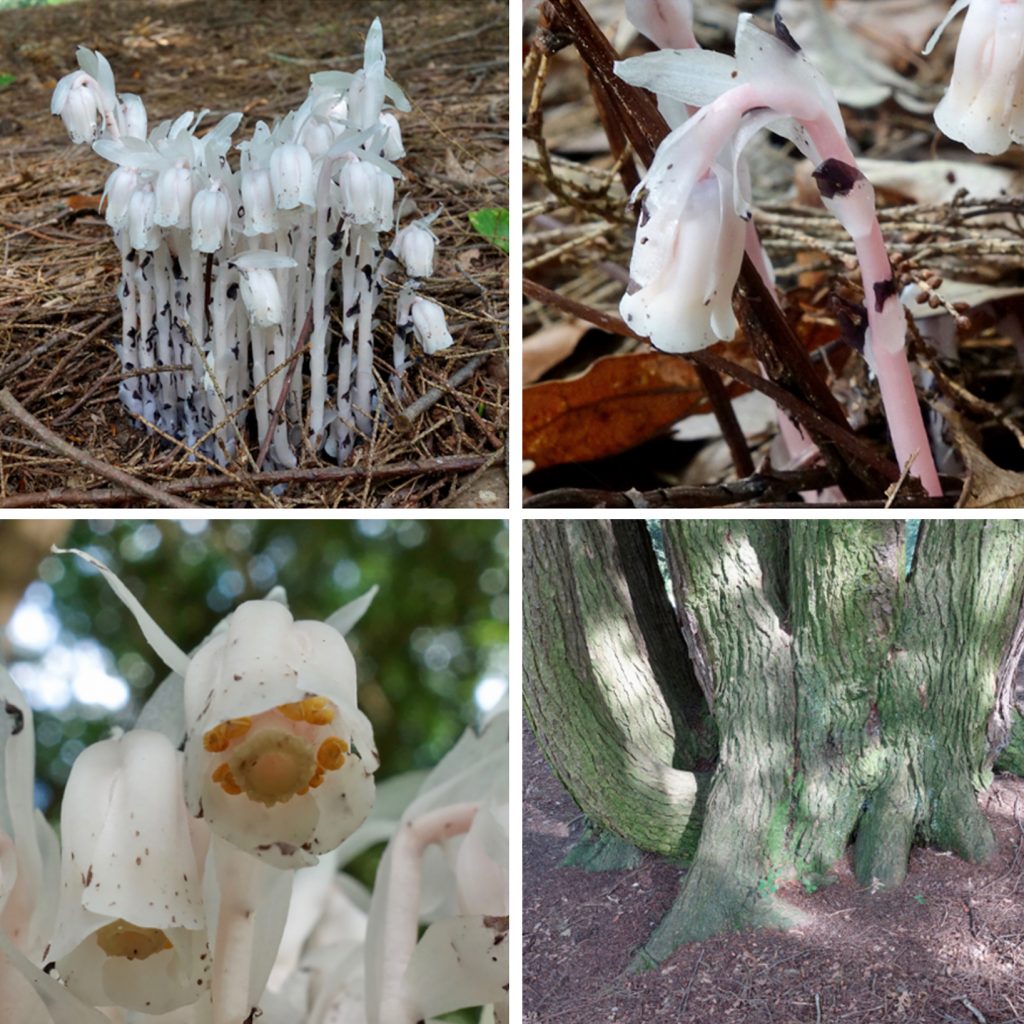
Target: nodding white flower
[130, 927]
[132, 115]
[317, 137]
[667, 23]
[279, 761]
[117, 195]
[291, 175]
[429, 326]
[984, 105]
[143, 234]
[367, 193]
[173, 197]
[447, 862]
[259, 216]
[210, 215]
[258, 285]
[366, 96]
[414, 246]
[78, 101]
[392, 148]
[685, 263]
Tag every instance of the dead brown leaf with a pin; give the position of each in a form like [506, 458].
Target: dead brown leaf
[620, 402]
[549, 346]
[986, 485]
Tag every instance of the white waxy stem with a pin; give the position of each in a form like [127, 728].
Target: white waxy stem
[291, 176]
[130, 388]
[167, 407]
[429, 326]
[174, 197]
[210, 215]
[667, 23]
[147, 340]
[414, 246]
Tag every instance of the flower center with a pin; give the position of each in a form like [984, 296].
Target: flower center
[122, 938]
[271, 766]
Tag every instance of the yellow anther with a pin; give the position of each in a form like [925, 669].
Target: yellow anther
[216, 740]
[314, 710]
[318, 778]
[122, 938]
[236, 728]
[221, 772]
[229, 785]
[331, 754]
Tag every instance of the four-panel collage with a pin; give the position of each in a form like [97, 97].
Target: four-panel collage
[646, 374]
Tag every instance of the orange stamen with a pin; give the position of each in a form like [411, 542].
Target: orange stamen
[331, 755]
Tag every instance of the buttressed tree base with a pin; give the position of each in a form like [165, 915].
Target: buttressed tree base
[818, 684]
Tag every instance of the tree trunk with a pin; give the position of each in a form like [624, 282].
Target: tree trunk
[612, 728]
[852, 700]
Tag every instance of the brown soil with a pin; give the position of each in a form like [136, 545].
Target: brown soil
[947, 946]
[59, 267]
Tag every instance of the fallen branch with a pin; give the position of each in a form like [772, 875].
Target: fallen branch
[428, 399]
[329, 474]
[12, 406]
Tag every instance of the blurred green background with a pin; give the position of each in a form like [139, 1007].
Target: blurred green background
[431, 652]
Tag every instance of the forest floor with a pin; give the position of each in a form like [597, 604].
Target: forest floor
[59, 268]
[948, 946]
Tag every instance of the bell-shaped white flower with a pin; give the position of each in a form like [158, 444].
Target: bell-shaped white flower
[392, 149]
[686, 260]
[367, 193]
[132, 116]
[279, 761]
[291, 176]
[117, 195]
[667, 23]
[414, 246]
[429, 326]
[210, 215]
[173, 198]
[984, 105]
[258, 285]
[77, 100]
[130, 927]
[259, 211]
[447, 863]
[143, 234]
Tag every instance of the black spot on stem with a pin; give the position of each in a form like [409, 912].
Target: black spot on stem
[884, 290]
[835, 178]
[17, 717]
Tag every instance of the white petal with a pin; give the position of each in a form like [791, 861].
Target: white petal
[170, 654]
[944, 24]
[667, 23]
[695, 77]
[348, 615]
[459, 962]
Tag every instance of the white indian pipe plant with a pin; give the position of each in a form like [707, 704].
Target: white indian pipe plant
[695, 203]
[220, 266]
[170, 895]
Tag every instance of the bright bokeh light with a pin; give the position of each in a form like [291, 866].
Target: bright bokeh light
[33, 627]
[489, 691]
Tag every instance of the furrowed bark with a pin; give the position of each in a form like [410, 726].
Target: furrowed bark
[590, 695]
[731, 585]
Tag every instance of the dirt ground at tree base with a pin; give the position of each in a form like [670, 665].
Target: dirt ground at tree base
[946, 947]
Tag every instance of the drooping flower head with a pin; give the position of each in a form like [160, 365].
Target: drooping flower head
[278, 758]
[130, 928]
[984, 105]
